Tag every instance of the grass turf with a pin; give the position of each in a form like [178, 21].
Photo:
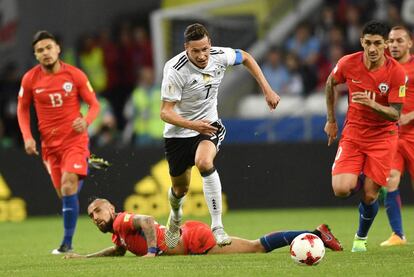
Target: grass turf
[25, 248]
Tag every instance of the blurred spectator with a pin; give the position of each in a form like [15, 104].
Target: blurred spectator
[407, 11]
[295, 86]
[91, 58]
[304, 45]
[325, 24]
[353, 28]
[393, 13]
[328, 62]
[143, 48]
[276, 72]
[9, 87]
[126, 72]
[142, 111]
[103, 129]
[110, 60]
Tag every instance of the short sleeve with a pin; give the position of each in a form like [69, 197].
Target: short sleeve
[226, 55]
[172, 85]
[123, 223]
[398, 85]
[82, 82]
[338, 71]
[26, 87]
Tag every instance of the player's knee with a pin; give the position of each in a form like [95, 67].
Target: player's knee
[180, 191]
[393, 182]
[69, 185]
[370, 197]
[341, 191]
[204, 165]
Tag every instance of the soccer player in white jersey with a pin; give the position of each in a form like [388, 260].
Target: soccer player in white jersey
[193, 132]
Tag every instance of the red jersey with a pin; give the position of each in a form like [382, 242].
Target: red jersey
[385, 85]
[126, 236]
[408, 129]
[56, 100]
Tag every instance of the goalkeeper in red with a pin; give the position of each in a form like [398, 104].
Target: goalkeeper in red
[376, 84]
[56, 88]
[143, 236]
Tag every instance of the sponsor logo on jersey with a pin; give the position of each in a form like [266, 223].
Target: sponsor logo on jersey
[383, 87]
[77, 166]
[39, 90]
[356, 81]
[401, 91]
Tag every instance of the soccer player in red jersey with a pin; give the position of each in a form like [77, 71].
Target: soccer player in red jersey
[56, 88]
[143, 236]
[399, 44]
[376, 84]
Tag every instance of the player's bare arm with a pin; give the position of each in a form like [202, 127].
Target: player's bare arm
[170, 116]
[80, 125]
[146, 224]
[272, 98]
[391, 113]
[112, 251]
[331, 127]
[30, 147]
[406, 118]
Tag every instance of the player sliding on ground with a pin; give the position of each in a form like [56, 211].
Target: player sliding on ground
[143, 236]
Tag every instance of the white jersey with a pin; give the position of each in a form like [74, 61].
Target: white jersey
[194, 89]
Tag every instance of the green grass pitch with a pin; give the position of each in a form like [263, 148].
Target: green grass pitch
[25, 248]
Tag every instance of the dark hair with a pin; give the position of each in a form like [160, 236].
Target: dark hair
[41, 35]
[404, 28]
[195, 31]
[376, 28]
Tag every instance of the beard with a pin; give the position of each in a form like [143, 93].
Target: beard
[50, 66]
[107, 227]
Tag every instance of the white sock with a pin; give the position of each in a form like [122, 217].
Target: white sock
[212, 194]
[176, 205]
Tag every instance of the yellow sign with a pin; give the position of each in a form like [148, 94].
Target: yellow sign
[151, 194]
[4, 189]
[11, 208]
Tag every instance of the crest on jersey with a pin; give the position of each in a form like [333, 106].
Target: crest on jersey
[383, 87]
[219, 71]
[67, 87]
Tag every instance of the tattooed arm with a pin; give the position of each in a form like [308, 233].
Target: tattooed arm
[147, 225]
[331, 127]
[391, 113]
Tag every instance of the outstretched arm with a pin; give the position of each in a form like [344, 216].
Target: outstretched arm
[107, 252]
[272, 98]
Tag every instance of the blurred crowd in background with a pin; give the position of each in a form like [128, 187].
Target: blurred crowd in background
[119, 64]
